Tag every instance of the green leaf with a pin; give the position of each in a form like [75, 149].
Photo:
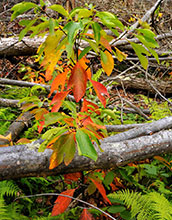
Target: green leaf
[85, 147]
[150, 169]
[149, 36]
[93, 45]
[51, 26]
[147, 42]
[108, 178]
[75, 11]
[72, 29]
[71, 106]
[110, 20]
[26, 29]
[84, 13]
[42, 3]
[20, 8]
[60, 10]
[116, 209]
[53, 117]
[109, 112]
[24, 22]
[39, 28]
[96, 29]
[85, 51]
[140, 50]
[103, 57]
[126, 215]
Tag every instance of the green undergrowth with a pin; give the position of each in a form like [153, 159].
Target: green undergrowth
[7, 115]
[150, 179]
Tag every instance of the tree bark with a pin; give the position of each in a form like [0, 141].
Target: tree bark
[28, 46]
[24, 160]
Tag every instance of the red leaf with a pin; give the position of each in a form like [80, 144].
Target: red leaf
[59, 80]
[57, 100]
[87, 105]
[72, 177]
[100, 89]
[85, 215]
[101, 189]
[78, 81]
[62, 202]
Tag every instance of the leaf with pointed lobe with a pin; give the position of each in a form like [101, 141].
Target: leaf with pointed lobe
[63, 149]
[59, 80]
[101, 189]
[87, 105]
[78, 81]
[105, 43]
[62, 203]
[57, 100]
[85, 215]
[60, 9]
[84, 63]
[100, 89]
[107, 62]
[120, 55]
[85, 147]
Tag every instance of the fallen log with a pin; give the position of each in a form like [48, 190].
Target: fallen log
[21, 161]
[28, 46]
[24, 160]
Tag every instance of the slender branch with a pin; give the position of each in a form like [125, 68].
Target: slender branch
[137, 109]
[67, 196]
[135, 25]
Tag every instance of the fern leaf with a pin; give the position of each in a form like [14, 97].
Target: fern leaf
[8, 188]
[161, 206]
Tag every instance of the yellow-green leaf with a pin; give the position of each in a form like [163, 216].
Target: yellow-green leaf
[107, 62]
[59, 9]
[120, 55]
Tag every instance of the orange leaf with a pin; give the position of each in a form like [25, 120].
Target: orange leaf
[82, 62]
[23, 141]
[57, 100]
[59, 80]
[78, 81]
[88, 121]
[161, 159]
[101, 189]
[85, 215]
[62, 202]
[100, 89]
[39, 115]
[105, 43]
[107, 62]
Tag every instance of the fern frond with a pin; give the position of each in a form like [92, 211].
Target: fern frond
[14, 211]
[138, 203]
[3, 210]
[161, 206]
[8, 188]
